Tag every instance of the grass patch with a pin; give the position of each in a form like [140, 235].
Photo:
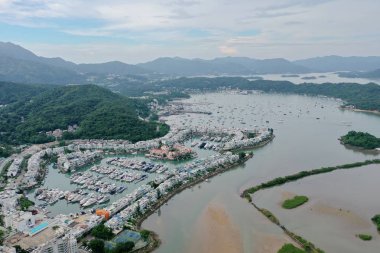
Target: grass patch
[290, 248]
[295, 202]
[364, 237]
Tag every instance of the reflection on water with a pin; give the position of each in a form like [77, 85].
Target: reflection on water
[302, 142]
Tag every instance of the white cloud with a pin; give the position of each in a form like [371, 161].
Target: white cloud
[228, 50]
[287, 28]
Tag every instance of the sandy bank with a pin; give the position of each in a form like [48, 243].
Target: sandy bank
[215, 232]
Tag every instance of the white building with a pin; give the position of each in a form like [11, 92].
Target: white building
[20, 221]
[5, 249]
[66, 244]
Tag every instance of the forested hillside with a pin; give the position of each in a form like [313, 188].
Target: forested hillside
[98, 112]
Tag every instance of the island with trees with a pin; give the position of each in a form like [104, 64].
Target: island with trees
[295, 202]
[376, 221]
[364, 237]
[361, 140]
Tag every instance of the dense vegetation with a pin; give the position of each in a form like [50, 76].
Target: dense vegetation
[122, 247]
[25, 203]
[361, 96]
[376, 221]
[290, 248]
[97, 246]
[98, 112]
[365, 237]
[360, 139]
[295, 202]
[102, 232]
[6, 150]
[14, 92]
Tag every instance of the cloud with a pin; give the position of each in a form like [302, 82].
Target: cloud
[184, 3]
[192, 27]
[228, 50]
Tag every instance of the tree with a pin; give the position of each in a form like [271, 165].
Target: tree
[1, 237]
[241, 155]
[102, 232]
[145, 234]
[124, 247]
[20, 250]
[97, 246]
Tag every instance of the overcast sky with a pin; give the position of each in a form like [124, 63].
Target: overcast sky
[141, 30]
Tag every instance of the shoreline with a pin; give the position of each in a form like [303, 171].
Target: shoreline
[156, 242]
[261, 144]
[360, 110]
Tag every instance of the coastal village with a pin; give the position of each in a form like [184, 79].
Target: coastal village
[111, 186]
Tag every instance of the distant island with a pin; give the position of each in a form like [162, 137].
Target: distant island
[308, 78]
[361, 140]
[290, 75]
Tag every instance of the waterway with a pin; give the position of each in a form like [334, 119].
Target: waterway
[57, 180]
[211, 216]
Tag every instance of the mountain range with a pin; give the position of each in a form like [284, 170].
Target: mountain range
[18, 64]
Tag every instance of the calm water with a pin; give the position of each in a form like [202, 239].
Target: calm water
[302, 142]
[341, 205]
[55, 179]
[319, 78]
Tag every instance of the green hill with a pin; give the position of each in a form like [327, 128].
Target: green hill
[13, 92]
[98, 112]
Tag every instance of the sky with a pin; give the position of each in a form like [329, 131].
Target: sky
[86, 31]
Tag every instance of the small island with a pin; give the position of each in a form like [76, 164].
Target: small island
[361, 140]
[376, 220]
[308, 78]
[290, 75]
[364, 237]
[295, 202]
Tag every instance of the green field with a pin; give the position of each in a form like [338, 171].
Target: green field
[295, 202]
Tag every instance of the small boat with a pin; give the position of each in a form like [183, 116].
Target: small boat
[90, 202]
[121, 189]
[103, 200]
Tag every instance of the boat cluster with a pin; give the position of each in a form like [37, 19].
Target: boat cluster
[211, 142]
[92, 182]
[137, 165]
[85, 199]
[119, 174]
